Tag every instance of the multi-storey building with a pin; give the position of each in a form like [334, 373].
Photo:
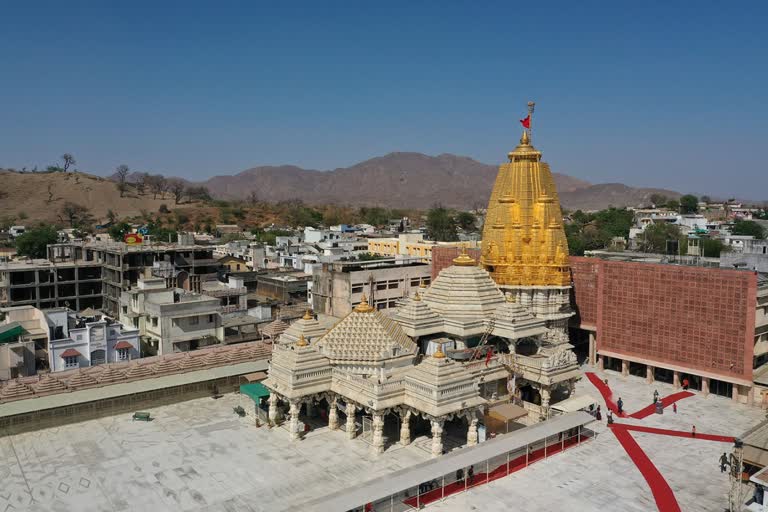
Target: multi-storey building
[338, 287]
[76, 284]
[171, 319]
[123, 264]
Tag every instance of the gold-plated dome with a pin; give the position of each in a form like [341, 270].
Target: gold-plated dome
[416, 296]
[302, 342]
[422, 284]
[464, 260]
[524, 240]
[364, 307]
[308, 315]
[439, 354]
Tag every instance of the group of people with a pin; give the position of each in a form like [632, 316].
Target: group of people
[470, 475]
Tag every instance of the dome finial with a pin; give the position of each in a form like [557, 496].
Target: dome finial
[525, 140]
[307, 315]
[439, 354]
[464, 260]
[363, 307]
[302, 342]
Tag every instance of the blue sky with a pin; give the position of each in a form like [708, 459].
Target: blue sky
[642, 93]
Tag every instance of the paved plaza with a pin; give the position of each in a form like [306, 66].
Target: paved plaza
[196, 455]
[599, 475]
[199, 455]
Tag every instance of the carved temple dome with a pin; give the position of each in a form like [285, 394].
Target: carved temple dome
[524, 240]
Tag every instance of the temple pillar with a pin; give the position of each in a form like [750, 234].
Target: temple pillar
[750, 395]
[273, 399]
[705, 386]
[735, 392]
[333, 415]
[472, 432]
[405, 428]
[377, 441]
[676, 380]
[624, 367]
[293, 422]
[351, 428]
[649, 374]
[437, 438]
[545, 397]
[600, 363]
[592, 349]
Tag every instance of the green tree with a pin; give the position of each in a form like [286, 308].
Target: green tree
[660, 238]
[119, 230]
[658, 199]
[712, 248]
[674, 205]
[689, 204]
[367, 256]
[466, 221]
[374, 216]
[33, 243]
[748, 227]
[77, 215]
[441, 226]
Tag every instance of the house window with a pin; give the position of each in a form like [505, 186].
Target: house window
[194, 320]
[210, 319]
[393, 286]
[71, 362]
[125, 310]
[154, 321]
[357, 289]
[122, 354]
[381, 286]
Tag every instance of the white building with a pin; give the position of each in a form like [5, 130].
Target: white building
[79, 340]
[172, 319]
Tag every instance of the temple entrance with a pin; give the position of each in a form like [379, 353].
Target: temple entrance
[530, 394]
[637, 369]
[721, 388]
[611, 363]
[526, 347]
[694, 381]
[663, 375]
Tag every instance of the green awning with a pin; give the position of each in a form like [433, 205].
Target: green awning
[11, 333]
[255, 390]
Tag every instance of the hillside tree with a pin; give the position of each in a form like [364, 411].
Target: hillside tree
[69, 161]
[466, 221]
[157, 184]
[121, 175]
[140, 181]
[748, 228]
[177, 189]
[689, 204]
[78, 216]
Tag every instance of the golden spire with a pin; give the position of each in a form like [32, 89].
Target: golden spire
[302, 342]
[422, 284]
[439, 354]
[363, 307]
[524, 240]
[511, 298]
[307, 315]
[463, 260]
[417, 297]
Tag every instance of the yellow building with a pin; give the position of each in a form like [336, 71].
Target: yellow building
[401, 247]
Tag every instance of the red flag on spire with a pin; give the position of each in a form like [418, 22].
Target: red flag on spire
[488, 356]
[526, 122]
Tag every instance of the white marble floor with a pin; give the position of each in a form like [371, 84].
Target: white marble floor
[599, 476]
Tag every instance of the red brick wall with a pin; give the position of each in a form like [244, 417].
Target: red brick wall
[698, 318]
[443, 257]
[585, 272]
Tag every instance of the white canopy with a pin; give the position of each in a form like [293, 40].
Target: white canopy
[575, 403]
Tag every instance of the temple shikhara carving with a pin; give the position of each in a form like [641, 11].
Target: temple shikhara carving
[484, 334]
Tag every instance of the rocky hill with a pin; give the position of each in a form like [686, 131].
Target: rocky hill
[409, 180]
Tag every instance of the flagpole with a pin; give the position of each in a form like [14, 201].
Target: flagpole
[531, 106]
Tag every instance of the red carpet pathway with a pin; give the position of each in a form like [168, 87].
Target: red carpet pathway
[675, 433]
[496, 473]
[607, 394]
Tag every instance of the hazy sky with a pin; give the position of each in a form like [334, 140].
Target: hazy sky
[640, 93]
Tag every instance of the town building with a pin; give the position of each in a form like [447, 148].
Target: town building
[171, 319]
[44, 284]
[338, 287]
[89, 338]
[123, 264]
[753, 256]
[23, 341]
[411, 246]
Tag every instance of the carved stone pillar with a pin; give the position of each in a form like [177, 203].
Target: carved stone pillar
[625, 368]
[273, 399]
[545, 396]
[437, 438]
[649, 374]
[472, 432]
[592, 349]
[705, 386]
[333, 415]
[405, 428]
[377, 441]
[600, 363]
[351, 428]
[293, 423]
[676, 380]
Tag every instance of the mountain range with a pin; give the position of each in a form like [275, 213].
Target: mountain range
[410, 180]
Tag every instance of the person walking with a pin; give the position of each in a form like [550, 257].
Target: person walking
[674, 407]
[471, 474]
[459, 475]
[620, 405]
[686, 384]
[655, 396]
[693, 431]
[598, 414]
[723, 462]
[609, 415]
